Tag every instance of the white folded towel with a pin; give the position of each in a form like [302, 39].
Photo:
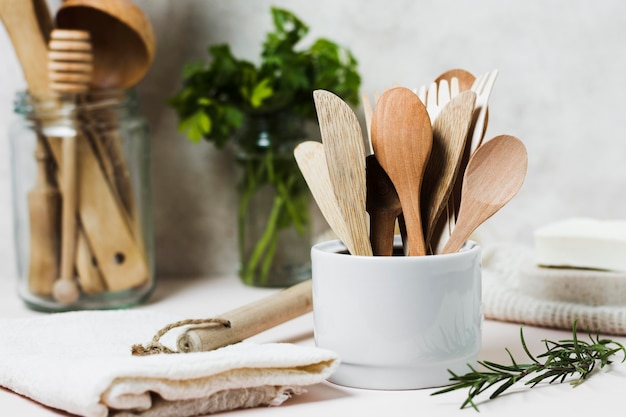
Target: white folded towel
[516, 290]
[81, 362]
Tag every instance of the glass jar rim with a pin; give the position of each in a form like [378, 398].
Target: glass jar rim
[49, 104]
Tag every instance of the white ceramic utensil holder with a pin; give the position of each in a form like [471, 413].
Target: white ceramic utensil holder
[397, 322]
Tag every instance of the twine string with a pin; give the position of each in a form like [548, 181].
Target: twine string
[156, 347]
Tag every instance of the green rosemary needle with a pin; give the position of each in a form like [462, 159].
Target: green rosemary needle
[561, 360]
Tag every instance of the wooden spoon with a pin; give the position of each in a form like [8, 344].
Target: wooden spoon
[123, 49]
[449, 137]
[402, 141]
[494, 175]
[311, 160]
[345, 156]
[121, 35]
[383, 206]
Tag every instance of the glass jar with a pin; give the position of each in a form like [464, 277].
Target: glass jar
[274, 224]
[80, 167]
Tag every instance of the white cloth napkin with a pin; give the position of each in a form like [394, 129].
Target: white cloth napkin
[81, 362]
[516, 290]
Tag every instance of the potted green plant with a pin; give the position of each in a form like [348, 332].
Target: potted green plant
[262, 109]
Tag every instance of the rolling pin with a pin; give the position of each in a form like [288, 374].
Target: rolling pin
[250, 319]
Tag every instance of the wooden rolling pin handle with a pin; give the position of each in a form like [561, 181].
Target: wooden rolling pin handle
[250, 319]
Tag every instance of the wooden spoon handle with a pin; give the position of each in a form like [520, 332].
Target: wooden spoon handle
[28, 24]
[382, 227]
[68, 188]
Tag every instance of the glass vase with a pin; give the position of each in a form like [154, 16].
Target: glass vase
[274, 226]
[81, 191]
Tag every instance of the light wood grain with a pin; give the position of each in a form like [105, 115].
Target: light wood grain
[402, 141]
[345, 156]
[311, 160]
[444, 226]
[368, 111]
[65, 290]
[64, 79]
[493, 177]
[450, 130]
[123, 49]
[44, 205]
[70, 61]
[28, 24]
[120, 259]
[251, 319]
[89, 276]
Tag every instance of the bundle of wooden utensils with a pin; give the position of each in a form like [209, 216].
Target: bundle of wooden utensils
[85, 231]
[429, 173]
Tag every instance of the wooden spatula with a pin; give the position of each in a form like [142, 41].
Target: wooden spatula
[449, 136]
[345, 155]
[311, 160]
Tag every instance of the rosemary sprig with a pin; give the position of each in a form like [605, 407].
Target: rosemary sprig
[561, 360]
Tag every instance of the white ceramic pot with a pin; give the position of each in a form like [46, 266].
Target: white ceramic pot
[397, 322]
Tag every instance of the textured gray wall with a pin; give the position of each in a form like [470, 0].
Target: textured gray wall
[561, 89]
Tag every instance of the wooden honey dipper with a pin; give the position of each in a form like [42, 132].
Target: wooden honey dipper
[69, 70]
[70, 61]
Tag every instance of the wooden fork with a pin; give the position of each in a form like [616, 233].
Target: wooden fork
[482, 86]
[437, 95]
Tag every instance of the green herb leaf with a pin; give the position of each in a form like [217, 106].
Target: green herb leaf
[196, 126]
[283, 80]
[260, 92]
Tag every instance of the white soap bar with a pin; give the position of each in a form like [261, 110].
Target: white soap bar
[573, 285]
[582, 243]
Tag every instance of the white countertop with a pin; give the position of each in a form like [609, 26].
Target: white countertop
[207, 297]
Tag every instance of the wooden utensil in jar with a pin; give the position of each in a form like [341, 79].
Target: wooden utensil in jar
[383, 206]
[311, 160]
[402, 141]
[28, 24]
[494, 175]
[123, 47]
[450, 130]
[108, 237]
[121, 35]
[345, 155]
[69, 65]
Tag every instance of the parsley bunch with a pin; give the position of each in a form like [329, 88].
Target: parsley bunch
[215, 98]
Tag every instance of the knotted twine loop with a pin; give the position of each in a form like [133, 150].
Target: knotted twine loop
[155, 347]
